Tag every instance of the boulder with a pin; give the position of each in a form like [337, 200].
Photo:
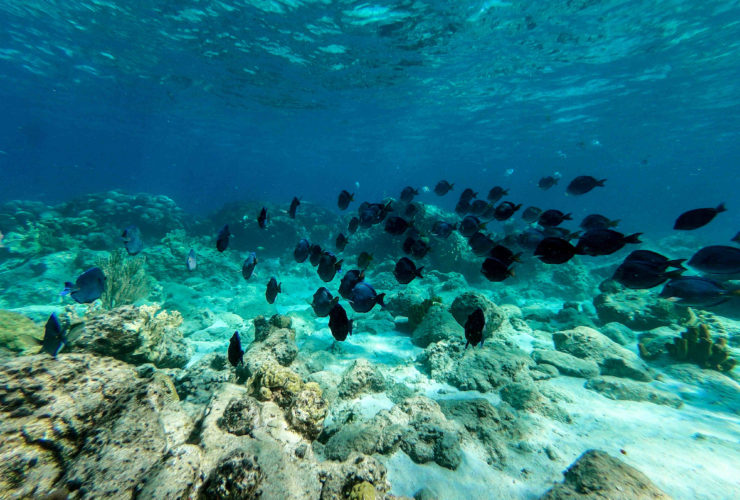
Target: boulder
[464, 305]
[566, 364]
[438, 324]
[586, 343]
[597, 475]
[361, 377]
[625, 389]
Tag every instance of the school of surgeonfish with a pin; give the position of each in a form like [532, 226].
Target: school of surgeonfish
[543, 238]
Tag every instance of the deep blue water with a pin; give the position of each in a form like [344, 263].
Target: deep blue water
[210, 102]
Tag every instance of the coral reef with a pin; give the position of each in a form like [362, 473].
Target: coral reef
[359, 378]
[126, 280]
[596, 475]
[135, 334]
[695, 345]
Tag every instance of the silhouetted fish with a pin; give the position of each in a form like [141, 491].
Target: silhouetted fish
[442, 188]
[479, 207]
[354, 223]
[470, 225]
[505, 210]
[132, 240]
[302, 249]
[191, 261]
[604, 242]
[474, 328]
[53, 336]
[717, 259]
[554, 251]
[222, 242]
[344, 199]
[462, 207]
[88, 287]
[694, 219]
[262, 218]
[314, 255]
[273, 288]
[235, 352]
[504, 255]
[467, 195]
[339, 324]
[531, 214]
[443, 229]
[408, 193]
[694, 291]
[396, 226]
[412, 209]
[495, 270]
[496, 193]
[364, 297]
[736, 238]
[341, 242]
[416, 247]
[249, 264]
[405, 271]
[547, 182]
[349, 280]
[323, 302]
[293, 207]
[363, 260]
[654, 259]
[552, 217]
[481, 243]
[597, 221]
[583, 184]
[639, 275]
[328, 266]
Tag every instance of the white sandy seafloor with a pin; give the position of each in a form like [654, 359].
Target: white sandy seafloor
[692, 452]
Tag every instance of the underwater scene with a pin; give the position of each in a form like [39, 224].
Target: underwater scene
[369, 249]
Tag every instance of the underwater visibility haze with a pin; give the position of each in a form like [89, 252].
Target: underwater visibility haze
[319, 249]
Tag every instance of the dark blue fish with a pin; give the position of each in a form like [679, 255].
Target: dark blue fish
[236, 353]
[552, 218]
[363, 260]
[314, 256]
[717, 259]
[470, 225]
[694, 291]
[583, 184]
[364, 297]
[190, 261]
[496, 193]
[504, 255]
[531, 214]
[495, 270]
[505, 210]
[345, 197]
[132, 240]
[396, 225]
[479, 207]
[54, 337]
[328, 266]
[302, 249]
[604, 242]
[273, 288]
[262, 218]
[354, 223]
[222, 242]
[694, 219]
[349, 280]
[468, 195]
[597, 221]
[443, 229]
[341, 242]
[639, 275]
[249, 264]
[408, 193]
[474, 328]
[547, 182]
[405, 271]
[462, 208]
[442, 188]
[654, 259]
[323, 302]
[293, 207]
[88, 287]
[481, 243]
[339, 324]
[554, 251]
[416, 247]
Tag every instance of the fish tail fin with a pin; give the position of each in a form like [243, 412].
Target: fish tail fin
[676, 263]
[601, 182]
[418, 272]
[511, 273]
[614, 223]
[517, 257]
[721, 208]
[280, 287]
[467, 342]
[352, 197]
[482, 225]
[338, 265]
[351, 325]
[633, 238]
[67, 288]
[362, 275]
[452, 186]
[379, 300]
[505, 192]
[676, 273]
[567, 217]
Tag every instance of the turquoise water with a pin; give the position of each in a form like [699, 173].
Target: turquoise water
[182, 117]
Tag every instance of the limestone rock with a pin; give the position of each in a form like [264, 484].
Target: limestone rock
[438, 324]
[618, 332]
[465, 304]
[481, 368]
[620, 388]
[19, 333]
[597, 475]
[361, 377]
[566, 364]
[613, 359]
[135, 334]
[637, 309]
[86, 420]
